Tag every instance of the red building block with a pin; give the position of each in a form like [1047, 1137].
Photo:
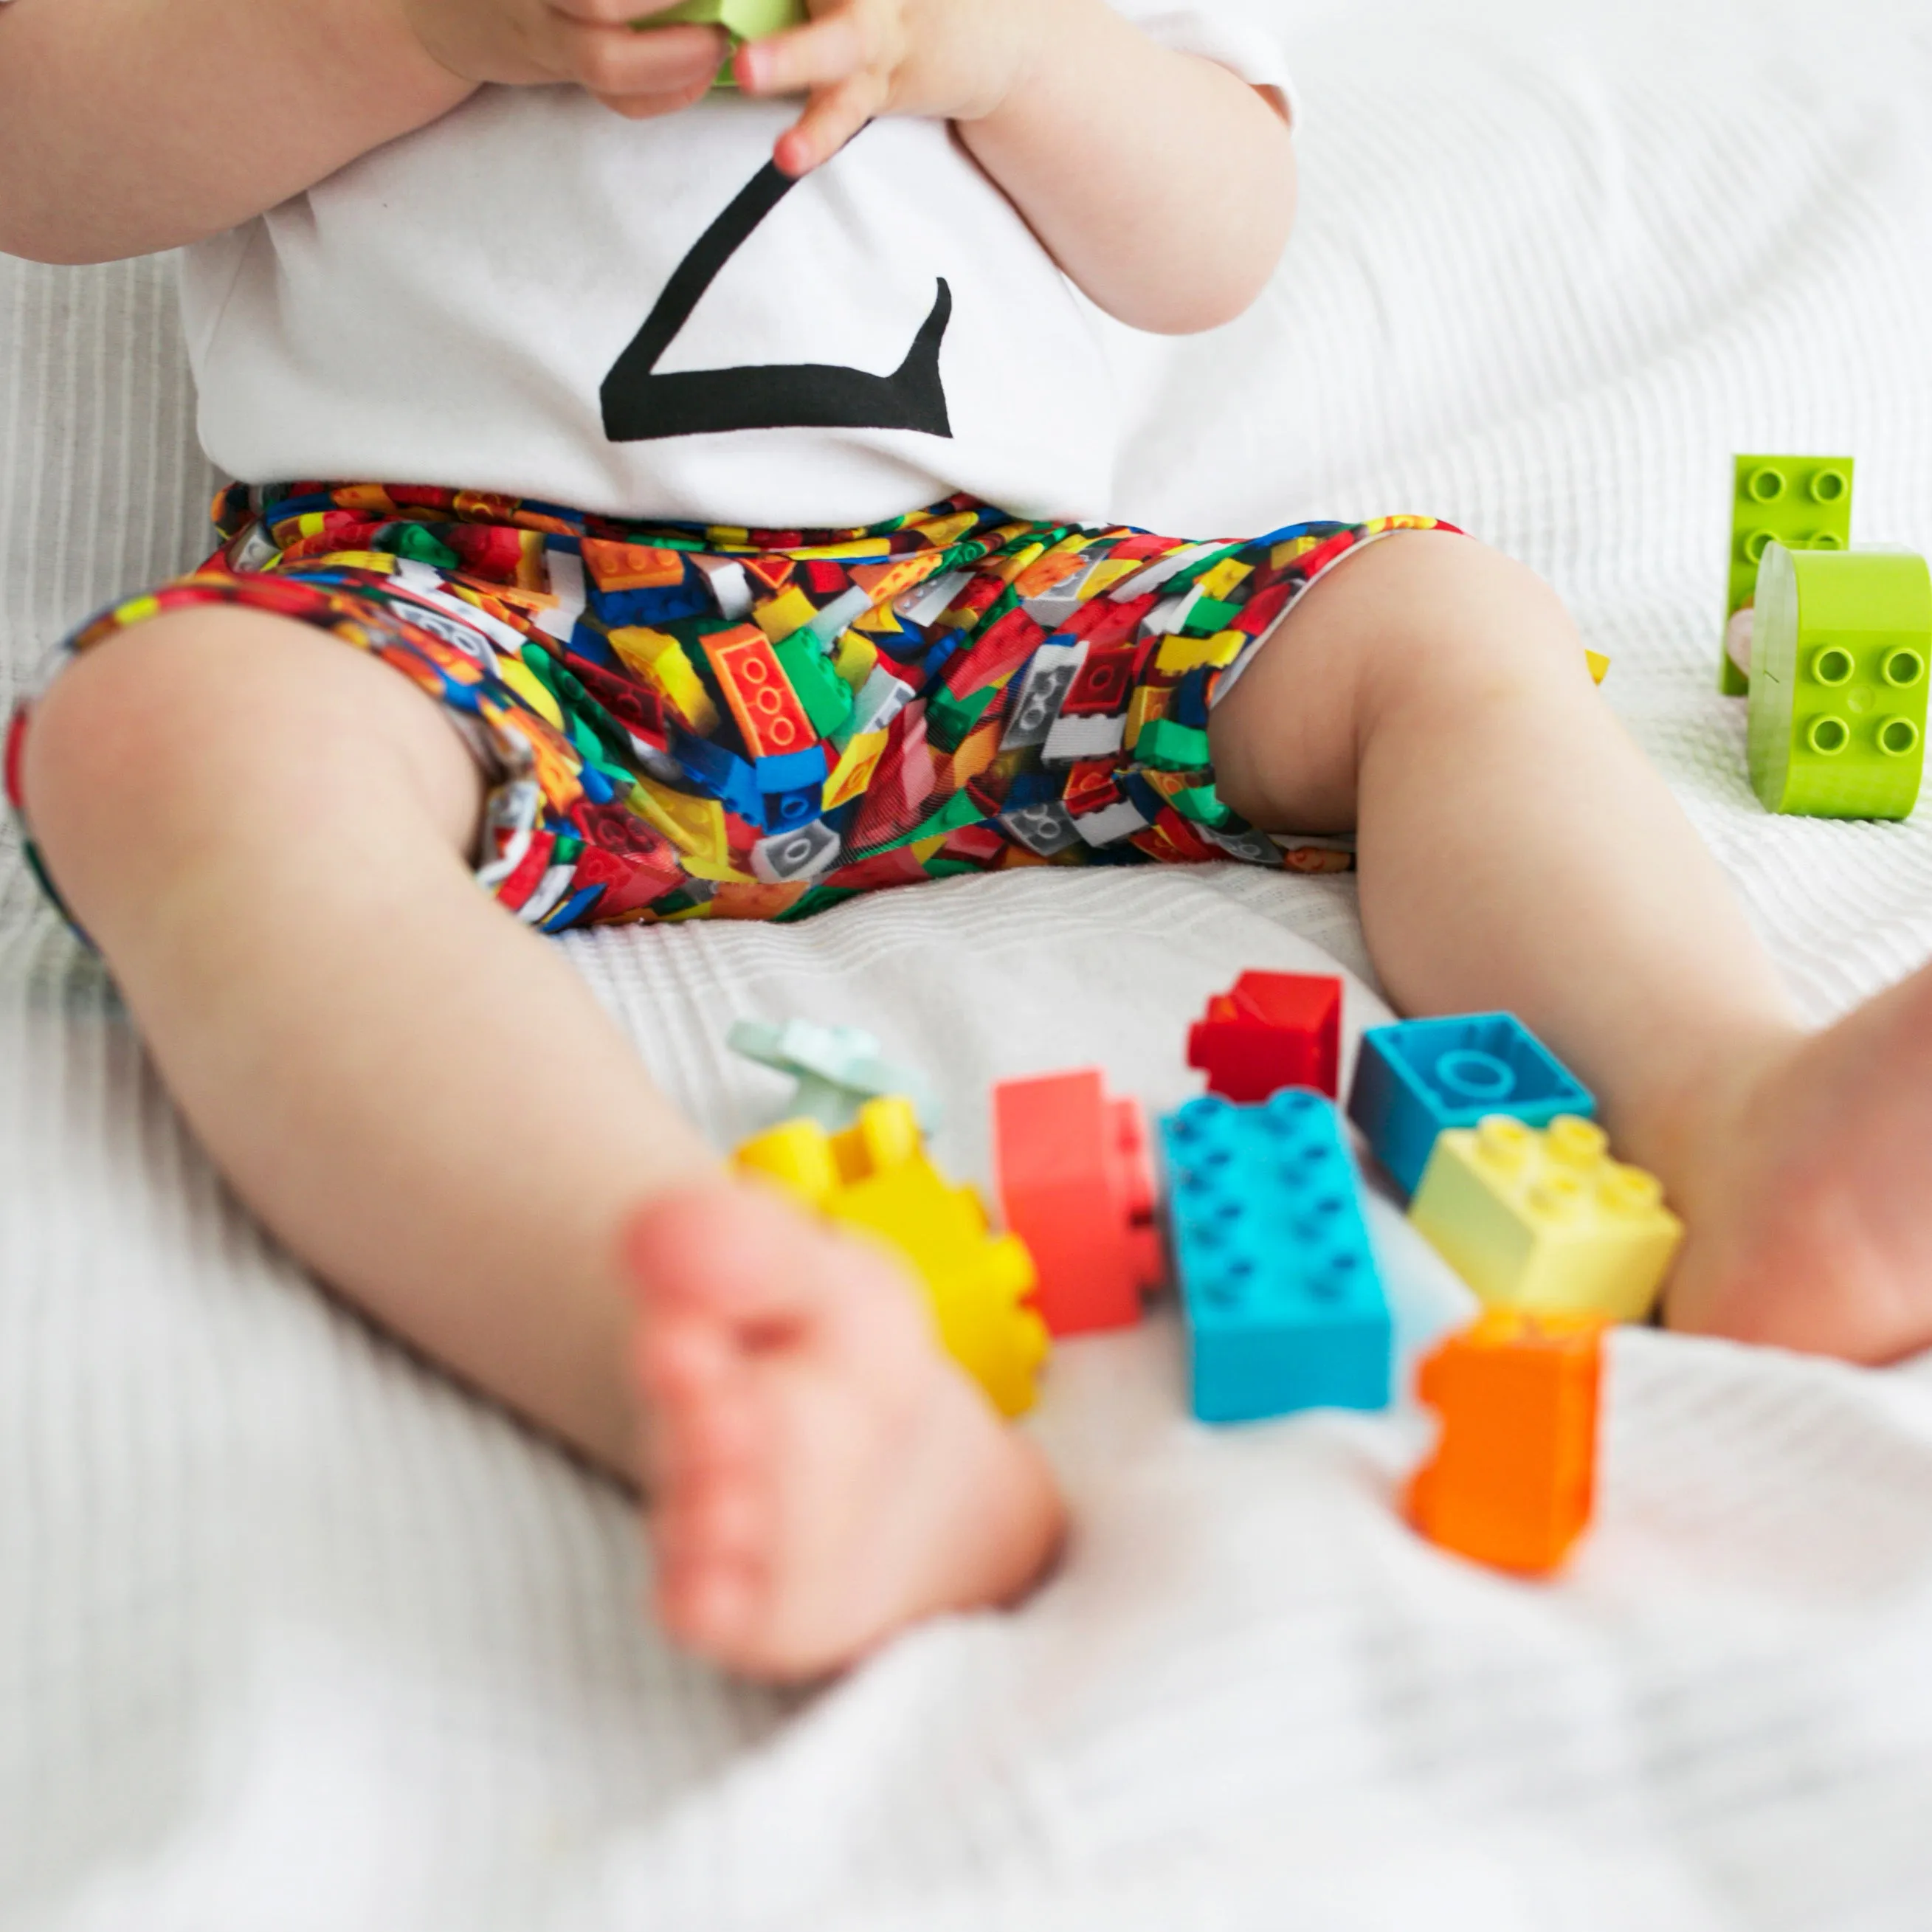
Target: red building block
[1272, 1029]
[1076, 1183]
[1513, 1479]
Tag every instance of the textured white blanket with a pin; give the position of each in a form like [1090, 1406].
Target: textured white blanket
[293, 1635]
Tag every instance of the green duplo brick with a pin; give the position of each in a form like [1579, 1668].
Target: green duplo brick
[826, 697]
[1804, 503]
[1169, 747]
[742, 20]
[1840, 646]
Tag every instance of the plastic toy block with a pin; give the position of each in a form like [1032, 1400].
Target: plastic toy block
[1840, 645]
[742, 20]
[838, 1070]
[1074, 1177]
[1544, 1219]
[1283, 1305]
[1804, 503]
[876, 1176]
[1512, 1480]
[1416, 1078]
[1271, 1031]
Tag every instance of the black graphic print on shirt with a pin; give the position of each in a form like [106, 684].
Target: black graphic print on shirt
[642, 406]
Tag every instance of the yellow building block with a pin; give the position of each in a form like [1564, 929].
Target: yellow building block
[1545, 1220]
[1219, 583]
[695, 825]
[779, 617]
[1178, 654]
[660, 660]
[877, 1176]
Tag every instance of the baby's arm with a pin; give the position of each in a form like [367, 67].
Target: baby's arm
[131, 125]
[1163, 183]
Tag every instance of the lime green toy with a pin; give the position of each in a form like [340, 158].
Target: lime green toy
[1804, 503]
[1840, 646]
[742, 20]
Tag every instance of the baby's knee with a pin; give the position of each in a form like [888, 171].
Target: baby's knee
[131, 729]
[1454, 618]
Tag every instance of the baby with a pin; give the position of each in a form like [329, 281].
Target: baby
[703, 520]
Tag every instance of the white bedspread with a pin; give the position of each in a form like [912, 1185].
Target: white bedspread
[294, 1635]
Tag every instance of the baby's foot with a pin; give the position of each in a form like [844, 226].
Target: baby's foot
[821, 1475]
[1808, 1204]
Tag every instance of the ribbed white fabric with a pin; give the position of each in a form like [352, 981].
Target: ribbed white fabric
[293, 1634]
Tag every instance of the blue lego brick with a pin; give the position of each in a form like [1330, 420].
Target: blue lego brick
[792, 770]
[1283, 1304]
[1416, 1078]
[719, 773]
[664, 604]
[786, 811]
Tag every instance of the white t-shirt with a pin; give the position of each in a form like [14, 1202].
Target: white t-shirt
[535, 296]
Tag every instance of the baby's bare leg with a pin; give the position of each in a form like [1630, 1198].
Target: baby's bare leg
[1518, 851]
[267, 833]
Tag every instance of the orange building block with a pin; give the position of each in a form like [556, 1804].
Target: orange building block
[1075, 1182]
[1271, 1031]
[1512, 1482]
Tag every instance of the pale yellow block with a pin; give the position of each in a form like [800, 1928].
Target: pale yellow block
[514, 673]
[789, 611]
[1224, 577]
[1181, 654]
[1545, 1220]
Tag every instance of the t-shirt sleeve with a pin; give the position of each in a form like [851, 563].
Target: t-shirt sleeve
[1225, 33]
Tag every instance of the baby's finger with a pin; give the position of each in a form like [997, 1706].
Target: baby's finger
[637, 14]
[615, 63]
[651, 106]
[832, 49]
[831, 118]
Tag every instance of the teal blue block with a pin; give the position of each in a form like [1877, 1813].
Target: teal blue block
[1283, 1302]
[1418, 1077]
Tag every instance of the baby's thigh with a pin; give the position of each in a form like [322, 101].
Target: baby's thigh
[215, 724]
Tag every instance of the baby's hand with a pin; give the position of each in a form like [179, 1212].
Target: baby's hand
[954, 60]
[528, 43]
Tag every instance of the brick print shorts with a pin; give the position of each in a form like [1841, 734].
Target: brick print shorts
[679, 722]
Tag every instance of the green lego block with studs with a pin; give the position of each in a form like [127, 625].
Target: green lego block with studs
[742, 20]
[1804, 503]
[1839, 651]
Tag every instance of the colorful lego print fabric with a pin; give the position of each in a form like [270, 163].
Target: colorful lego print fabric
[687, 723]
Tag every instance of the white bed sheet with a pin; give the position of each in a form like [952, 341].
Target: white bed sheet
[293, 1634]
